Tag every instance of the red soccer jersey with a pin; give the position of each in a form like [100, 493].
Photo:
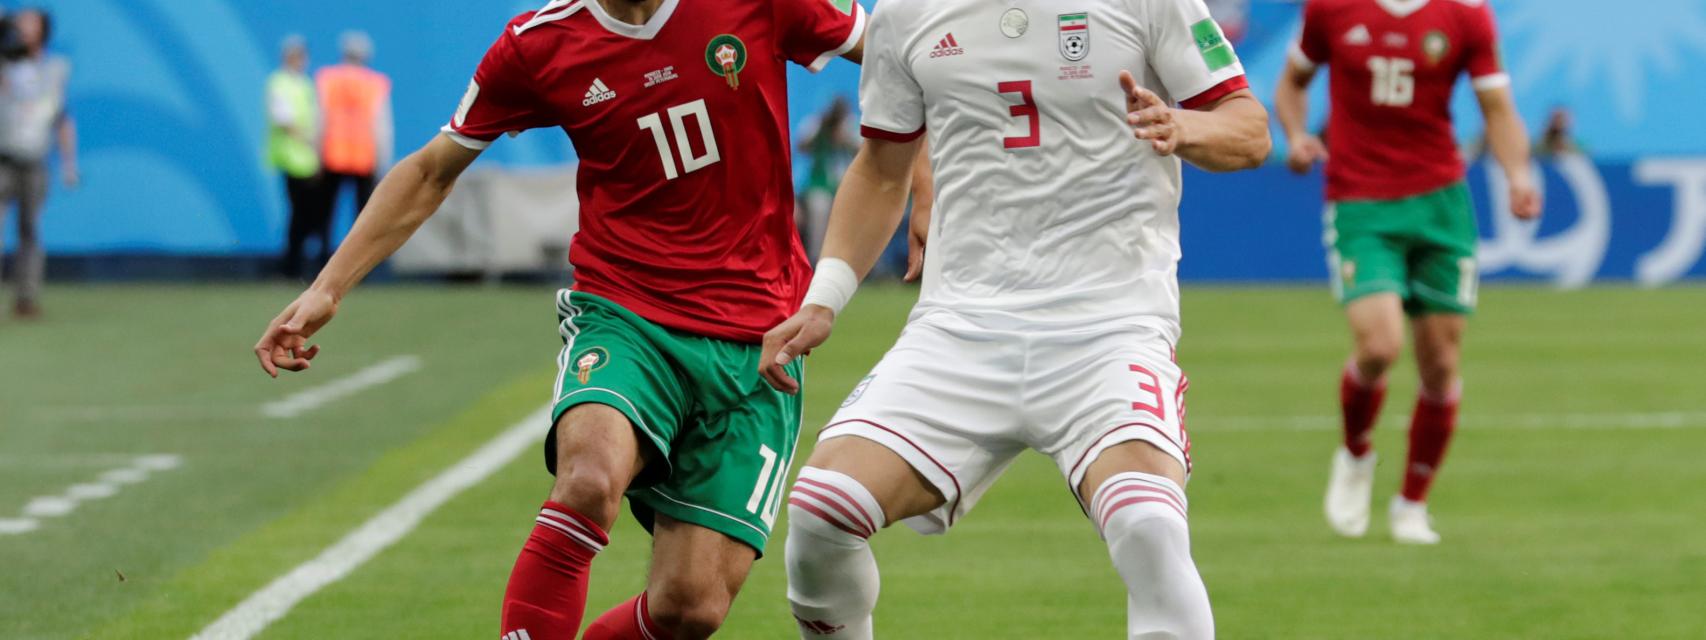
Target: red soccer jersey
[1394, 65]
[681, 125]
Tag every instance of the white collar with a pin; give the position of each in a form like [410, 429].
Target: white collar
[645, 31]
[1398, 8]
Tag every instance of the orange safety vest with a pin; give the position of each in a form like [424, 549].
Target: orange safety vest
[350, 99]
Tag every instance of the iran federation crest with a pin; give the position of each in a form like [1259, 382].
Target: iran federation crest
[1074, 35]
[726, 56]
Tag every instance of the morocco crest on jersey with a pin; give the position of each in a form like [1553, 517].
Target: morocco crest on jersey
[726, 55]
[1075, 36]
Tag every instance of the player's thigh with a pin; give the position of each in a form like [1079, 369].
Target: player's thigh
[611, 364]
[1366, 249]
[1118, 401]
[598, 453]
[899, 489]
[1444, 275]
[729, 469]
[1377, 324]
[933, 425]
[696, 572]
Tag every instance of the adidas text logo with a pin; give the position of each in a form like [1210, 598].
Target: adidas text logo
[947, 47]
[597, 93]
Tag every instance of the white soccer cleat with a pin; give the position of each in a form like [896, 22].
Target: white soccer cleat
[1348, 492]
[1411, 523]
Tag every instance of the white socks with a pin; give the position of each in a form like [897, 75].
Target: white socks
[1142, 518]
[832, 576]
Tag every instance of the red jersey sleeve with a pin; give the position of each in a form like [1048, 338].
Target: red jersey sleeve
[501, 97]
[1313, 47]
[1486, 69]
[813, 32]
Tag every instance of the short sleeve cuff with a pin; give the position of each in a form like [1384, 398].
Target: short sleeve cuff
[1216, 92]
[475, 144]
[1300, 59]
[875, 133]
[1491, 81]
[853, 37]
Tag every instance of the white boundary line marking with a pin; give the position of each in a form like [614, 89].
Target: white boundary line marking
[315, 397]
[384, 529]
[56, 506]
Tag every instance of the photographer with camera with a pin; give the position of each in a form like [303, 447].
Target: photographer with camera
[33, 118]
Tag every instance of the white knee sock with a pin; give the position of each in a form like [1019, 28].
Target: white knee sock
[1142, 518]
[832, 576]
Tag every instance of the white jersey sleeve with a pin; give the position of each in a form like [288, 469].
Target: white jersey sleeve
[1189, 52]
[890, 98]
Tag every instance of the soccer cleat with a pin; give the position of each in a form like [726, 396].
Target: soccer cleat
[1411, 523]
[1348, 492]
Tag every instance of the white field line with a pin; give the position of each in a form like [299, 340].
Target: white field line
[55, 506]
[315, 397]
[1475, 422]
[384, 529]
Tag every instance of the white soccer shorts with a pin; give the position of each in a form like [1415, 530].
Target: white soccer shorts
[960, 402]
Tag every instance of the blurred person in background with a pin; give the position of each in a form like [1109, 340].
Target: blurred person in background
[293, 132]
[33, 119]
[1400, 229]
[1558, 139]
[1233, 16]
[829, 145]
[355, 107]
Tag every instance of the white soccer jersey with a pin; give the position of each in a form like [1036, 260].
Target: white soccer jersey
[1048, 211]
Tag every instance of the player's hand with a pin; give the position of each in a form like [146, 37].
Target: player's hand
[285, 344]
[795, 337]
[918, 230]
[1304, 151]
[1525, 198]
[1150, 117]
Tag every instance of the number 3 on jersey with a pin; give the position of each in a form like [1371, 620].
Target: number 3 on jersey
[1027, 109]
[678, 115]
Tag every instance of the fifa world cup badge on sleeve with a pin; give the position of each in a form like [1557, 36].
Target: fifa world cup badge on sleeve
[726, 56]
[1074, 35]
[589, 361]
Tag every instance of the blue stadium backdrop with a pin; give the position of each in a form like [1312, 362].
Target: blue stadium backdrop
[168, 97]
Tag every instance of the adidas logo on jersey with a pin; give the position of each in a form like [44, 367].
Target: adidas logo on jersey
[597, 93]
[947, 47]
[519, 634]
[1358, 35]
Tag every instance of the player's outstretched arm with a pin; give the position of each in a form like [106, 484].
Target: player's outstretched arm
[1291, 107]
[868, 208]
[1229, 135]
[410, 193]
[1508, 142]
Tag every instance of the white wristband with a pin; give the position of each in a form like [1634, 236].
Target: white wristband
[833, 285]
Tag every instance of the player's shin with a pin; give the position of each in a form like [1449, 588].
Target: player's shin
[1431, 428]
[546, 596]
[1359, 403]
[832, 575]
[1142, 518]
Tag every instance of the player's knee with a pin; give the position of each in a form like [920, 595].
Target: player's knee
[1375, 354]
[590, 488]
[1438, 370]
[689, 607]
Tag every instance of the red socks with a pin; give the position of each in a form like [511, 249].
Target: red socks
[631, 620]
[547, 589]
[1360, 404]
[1430, 431]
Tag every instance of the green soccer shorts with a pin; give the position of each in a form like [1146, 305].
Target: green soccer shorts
[1421, 248]
[723, 438]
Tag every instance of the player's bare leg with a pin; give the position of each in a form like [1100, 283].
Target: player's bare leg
[1439, 340]
[695, 575]
[1377, 334]
[849, 489]
[1137, 500]
[598, 455]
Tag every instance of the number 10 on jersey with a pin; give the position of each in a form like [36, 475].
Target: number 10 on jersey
[678, 116]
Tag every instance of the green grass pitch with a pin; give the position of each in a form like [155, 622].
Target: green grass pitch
[1571, 504]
